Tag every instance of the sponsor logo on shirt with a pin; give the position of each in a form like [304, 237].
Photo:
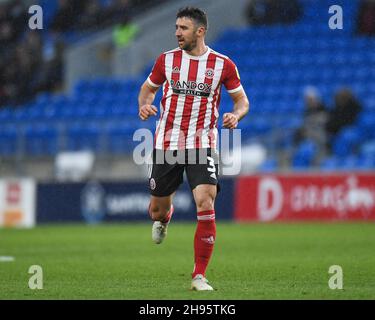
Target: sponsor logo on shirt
[191, 88]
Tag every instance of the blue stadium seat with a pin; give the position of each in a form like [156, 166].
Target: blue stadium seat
[66, 112]
[81, 87]
[49, 114]
[366, 162]
[84, 137]
[367, 150]
[20, 115]
[366, 124]
[5, 115]
[120, 140]
[347, 141]
[270, 165]
[304, 155]
[35, 113]
[83, 111]
[8, 141]
[330, 164]
[349, 163]
[41, 140]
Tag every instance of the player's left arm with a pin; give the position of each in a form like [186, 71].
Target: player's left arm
[232, 82]
[240, 109]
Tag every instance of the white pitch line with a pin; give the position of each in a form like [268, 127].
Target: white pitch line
[6, 259]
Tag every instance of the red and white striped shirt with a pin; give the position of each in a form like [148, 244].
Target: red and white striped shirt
[191, 97]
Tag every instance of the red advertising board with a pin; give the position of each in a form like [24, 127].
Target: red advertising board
[305, 197]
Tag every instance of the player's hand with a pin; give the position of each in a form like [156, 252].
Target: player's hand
[146, 111]
[230, 121]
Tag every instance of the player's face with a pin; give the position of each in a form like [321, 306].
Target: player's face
[186, 33]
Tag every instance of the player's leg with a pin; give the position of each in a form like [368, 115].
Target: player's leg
[202, 178]
[164, 180]
[205, 234]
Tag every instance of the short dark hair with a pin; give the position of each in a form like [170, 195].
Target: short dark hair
[194, 13]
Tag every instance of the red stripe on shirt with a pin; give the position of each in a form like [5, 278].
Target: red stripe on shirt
[188, 105]
[177, 58]
[211, 61]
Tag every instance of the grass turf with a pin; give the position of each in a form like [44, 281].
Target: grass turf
[250, 261]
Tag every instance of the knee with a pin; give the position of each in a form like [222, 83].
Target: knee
[205, 204]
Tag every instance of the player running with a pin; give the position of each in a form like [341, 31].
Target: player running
[191, 76]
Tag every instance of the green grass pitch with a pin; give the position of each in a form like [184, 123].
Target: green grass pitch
[250, 261]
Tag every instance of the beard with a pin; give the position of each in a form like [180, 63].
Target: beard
[189, 46]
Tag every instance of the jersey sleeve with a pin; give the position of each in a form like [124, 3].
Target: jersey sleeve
[157, 75]
[231, 77]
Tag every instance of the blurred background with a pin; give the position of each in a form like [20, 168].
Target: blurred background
[68, 98]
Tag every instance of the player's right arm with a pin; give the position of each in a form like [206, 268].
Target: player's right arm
[145, 99]
[150, 87]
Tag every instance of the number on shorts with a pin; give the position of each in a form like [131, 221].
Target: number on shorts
[211, 164]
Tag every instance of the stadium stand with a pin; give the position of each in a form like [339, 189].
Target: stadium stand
[277, 62]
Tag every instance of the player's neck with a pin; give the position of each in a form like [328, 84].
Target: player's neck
[199, 50]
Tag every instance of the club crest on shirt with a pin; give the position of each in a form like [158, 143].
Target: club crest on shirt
[152, 184]
[210, 73]
[176, 70]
